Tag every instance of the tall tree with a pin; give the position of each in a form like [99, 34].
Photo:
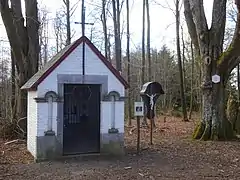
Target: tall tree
[183, 59]
[143, 44]
[238, 82]
[59, 29]
[128, 66]
[104, 23]
[150, 78]
[117, 34]
[143, 56]
[148, 42]
[43, 36]
[183, 101]
[68, 25]
[24, 41]
[214, 124]
[13, 88]
[192, 73]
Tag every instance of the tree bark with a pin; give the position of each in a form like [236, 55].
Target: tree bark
[183, 101]
[214, 124]
[24, 42]
[104, 23]
[144, 123]
[68, 25]
[116, 24]
[128, 67]
[148, 42]
[13, 86]
[183, 61]
[109, 48]
[150, 78]
[192, 76]
[238, 82]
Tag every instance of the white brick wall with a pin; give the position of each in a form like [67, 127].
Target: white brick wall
[106, 116]
[73, 65]
[42, 116]
[32, 122]
[94, 66]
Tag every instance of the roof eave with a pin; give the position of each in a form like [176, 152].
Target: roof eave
[29, 88]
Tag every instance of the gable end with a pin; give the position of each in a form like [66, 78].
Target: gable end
[33, 82]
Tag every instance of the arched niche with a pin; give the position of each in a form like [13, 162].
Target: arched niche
[52, 94]
[115, 95]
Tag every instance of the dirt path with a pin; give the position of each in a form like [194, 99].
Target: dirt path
[174, 156]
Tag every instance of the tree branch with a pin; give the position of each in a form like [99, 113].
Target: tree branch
[73, 8]
[19, 24]
[233, 63]
[229, 58]
[191, 26]
[218, 21]
[200, 22]
[32, 26]
[199, 17]
[8, 21]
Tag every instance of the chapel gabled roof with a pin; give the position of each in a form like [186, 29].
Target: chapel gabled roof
[37, 78]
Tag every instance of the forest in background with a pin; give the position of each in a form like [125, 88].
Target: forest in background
[178, 70]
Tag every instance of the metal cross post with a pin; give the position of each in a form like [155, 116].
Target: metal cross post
[83, 23]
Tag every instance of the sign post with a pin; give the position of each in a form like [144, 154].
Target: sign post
[138, 112]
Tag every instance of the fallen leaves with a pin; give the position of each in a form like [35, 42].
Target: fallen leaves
[14, 152]
[172, 156]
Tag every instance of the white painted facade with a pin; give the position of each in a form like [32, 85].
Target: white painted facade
[38, 112]
[32, 115]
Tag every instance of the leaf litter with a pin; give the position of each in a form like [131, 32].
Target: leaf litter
[174, 155]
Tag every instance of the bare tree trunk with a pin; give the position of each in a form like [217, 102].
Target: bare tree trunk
[119, 47]
[164, 81]
[43, 37]
[149, 48]
[199, 81]
[214, 124]
[68, 25]
[45, 44]
[57, 27]
[183, 101]
[116, 24]
[128, 67]
[148, 42]
[109, 48]
[183, 61]
[144, 123]
[192, 76]
[57, 43]
[24, 41]
[238, 82]
[13, 86]
[104, 23]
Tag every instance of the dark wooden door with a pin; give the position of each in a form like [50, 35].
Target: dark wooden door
[81, 126]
